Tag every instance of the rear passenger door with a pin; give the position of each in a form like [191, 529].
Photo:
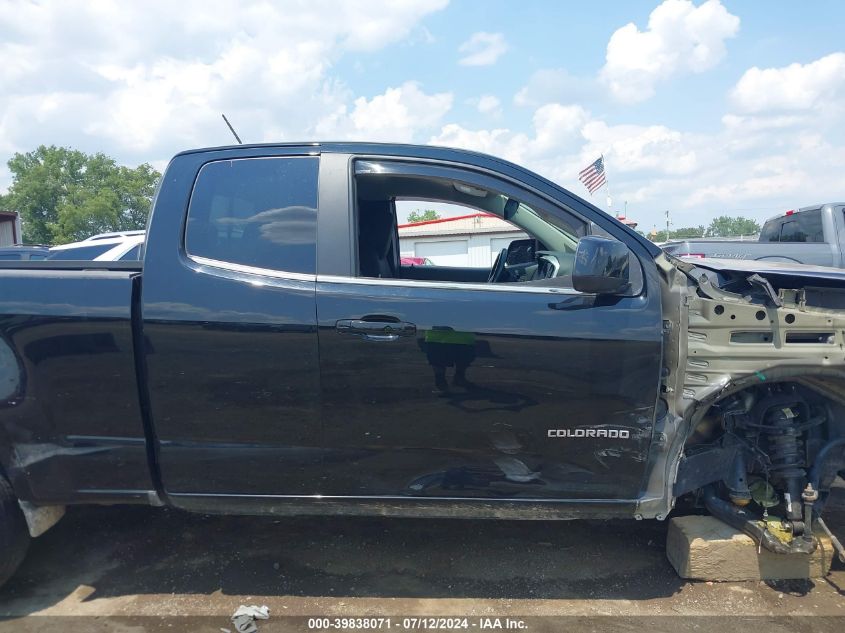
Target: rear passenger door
[229, 322]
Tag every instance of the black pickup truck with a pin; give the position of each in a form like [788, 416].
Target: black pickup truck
[271, 354]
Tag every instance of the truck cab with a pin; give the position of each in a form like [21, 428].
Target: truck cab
[321, 365]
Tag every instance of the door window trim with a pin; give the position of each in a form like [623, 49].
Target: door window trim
[251, 270]
[450, 285]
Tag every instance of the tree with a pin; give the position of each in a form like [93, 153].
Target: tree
[688, 232]
[64, 195]
[726, 226]
[678, 234]
[423, 216]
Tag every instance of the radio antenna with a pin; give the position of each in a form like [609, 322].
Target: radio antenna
[235, 134]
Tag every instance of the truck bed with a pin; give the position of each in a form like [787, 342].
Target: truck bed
[69, 397]
[817, 253]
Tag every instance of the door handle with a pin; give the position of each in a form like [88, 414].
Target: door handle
[376, 330]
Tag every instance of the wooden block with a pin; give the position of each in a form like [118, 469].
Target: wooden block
[704, 548]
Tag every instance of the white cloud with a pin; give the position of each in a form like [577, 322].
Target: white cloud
[565, 138]
[556, 130]
[681, 38]
[630, 148]
[750, 166]
[142, 81]
[395, 116]
[483, 49]
[489, 104]
[793, 87]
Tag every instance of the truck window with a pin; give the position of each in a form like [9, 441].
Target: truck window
[539, 246]
[259, 212]
[463, 236]
[133, 254]
[770, 231]
[805, 226]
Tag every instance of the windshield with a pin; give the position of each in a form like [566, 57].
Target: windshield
[551, 231]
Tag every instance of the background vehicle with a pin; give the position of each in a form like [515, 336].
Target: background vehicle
[104, 248]
[23, 253]
[415, 261]
[113, 234]
[812, 235]
[272, 355]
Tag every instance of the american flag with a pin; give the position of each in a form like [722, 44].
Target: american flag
[593, 175]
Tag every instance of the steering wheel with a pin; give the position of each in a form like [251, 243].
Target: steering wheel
[498, 266]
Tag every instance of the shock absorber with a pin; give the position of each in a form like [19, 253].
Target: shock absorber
[786, 451]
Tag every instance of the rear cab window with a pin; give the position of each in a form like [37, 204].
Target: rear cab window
[256, 212]
[805, 226]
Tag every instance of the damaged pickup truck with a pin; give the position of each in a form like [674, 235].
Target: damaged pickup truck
[272, 354]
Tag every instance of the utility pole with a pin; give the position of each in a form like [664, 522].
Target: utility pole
[667, 225]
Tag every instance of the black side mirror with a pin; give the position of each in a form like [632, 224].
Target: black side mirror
[522, 252]
[601, 266]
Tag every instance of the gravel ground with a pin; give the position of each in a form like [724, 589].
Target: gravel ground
[125, 564]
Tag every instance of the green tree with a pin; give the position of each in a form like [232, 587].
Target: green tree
[678, 234]
[688, 232]
[64, 195]
[726, 226]
[423, 216]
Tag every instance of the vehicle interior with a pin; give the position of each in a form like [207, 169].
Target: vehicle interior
[546, 258]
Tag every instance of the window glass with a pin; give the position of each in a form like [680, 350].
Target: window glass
[803, 227]
[258, 212]
[771, 231]
[462, 230]
[133, 254]
[451, 234]
[79, 253]
[10, 257]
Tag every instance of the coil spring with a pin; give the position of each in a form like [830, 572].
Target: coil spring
[785, 446]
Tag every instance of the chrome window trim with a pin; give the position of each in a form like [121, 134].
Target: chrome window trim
[374, 281]
[447, 285]
[251, 270]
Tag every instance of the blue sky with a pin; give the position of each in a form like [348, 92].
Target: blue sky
[703, 108]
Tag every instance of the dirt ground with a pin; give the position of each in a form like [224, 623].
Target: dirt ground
[136, 568]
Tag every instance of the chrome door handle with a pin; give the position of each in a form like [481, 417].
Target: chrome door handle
[376, 330]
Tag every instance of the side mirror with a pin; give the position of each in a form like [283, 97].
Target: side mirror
[601, 266]
[522, 252]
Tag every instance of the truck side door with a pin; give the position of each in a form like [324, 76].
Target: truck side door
[436, 384]
[230, 330]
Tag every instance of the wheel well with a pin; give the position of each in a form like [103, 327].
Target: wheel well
[772, 430]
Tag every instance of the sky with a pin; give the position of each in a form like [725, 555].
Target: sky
[699, 108]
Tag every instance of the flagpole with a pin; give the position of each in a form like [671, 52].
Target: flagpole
[609, 198]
